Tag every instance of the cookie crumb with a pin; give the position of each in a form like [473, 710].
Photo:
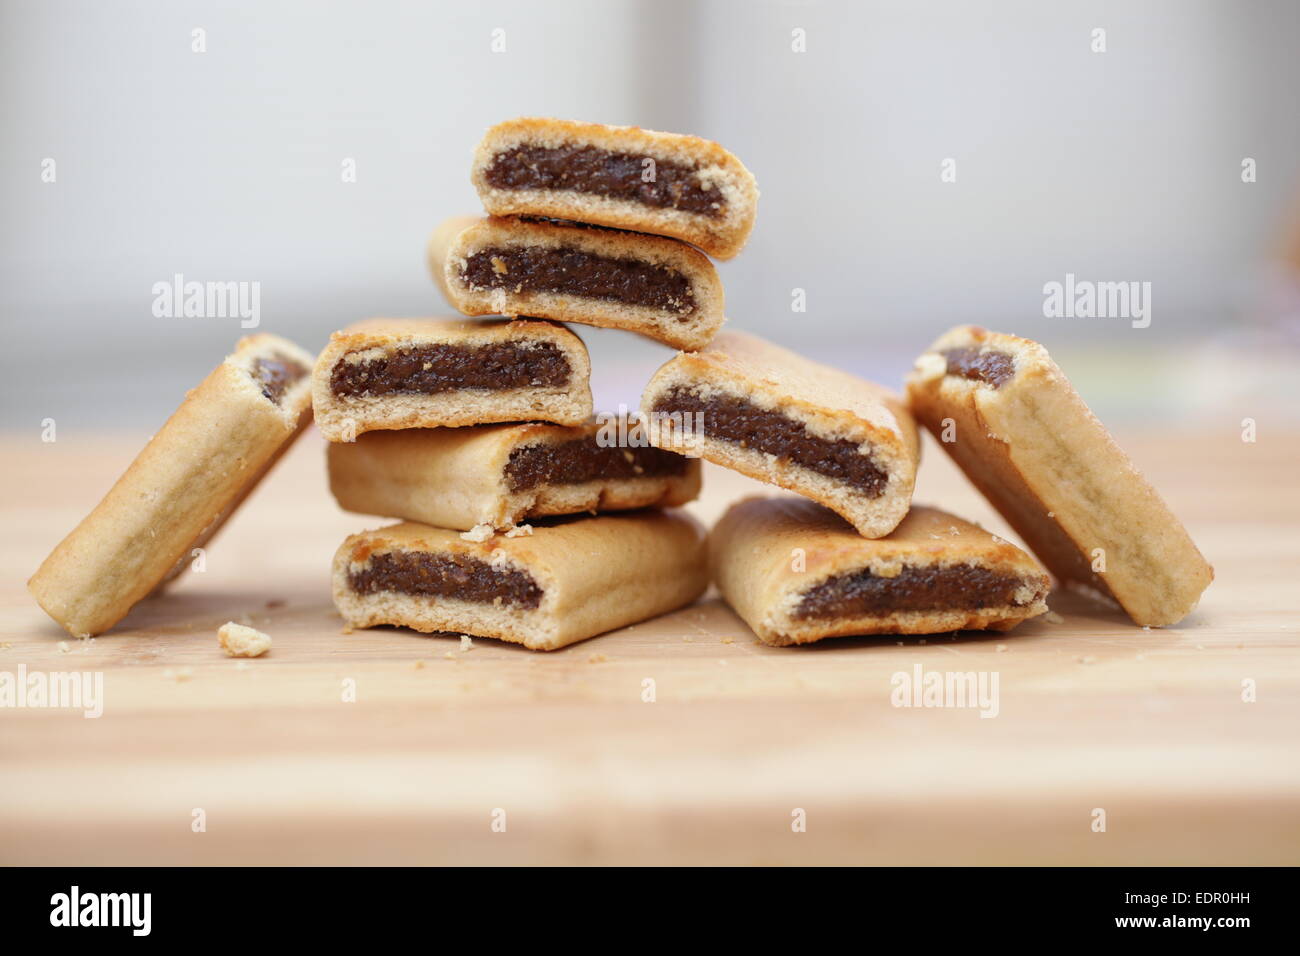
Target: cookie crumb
[597, 659]
[1051, 617]
[347, 629]
[419, 665]
[1000, 648]
[478, 534]
[1087, 660]
[239, 640]
[520, 531]
[451, 656]
[180, 675]
[466, 643]
[63, 647]
[728, 640]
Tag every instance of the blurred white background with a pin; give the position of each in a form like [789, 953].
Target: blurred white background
[226, 165]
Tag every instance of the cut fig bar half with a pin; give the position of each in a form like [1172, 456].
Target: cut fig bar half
[933, 574]
[773, 415]
[423, 373]
[574, 273]
[501, 475]
[624, 177]
[567, 580]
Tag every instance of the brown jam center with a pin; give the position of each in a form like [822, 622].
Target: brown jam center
[581, 460]
[602, 172]
[992, 367]
[446, 575]
[964, 587]
[429, 369]
[275, 373]
[743, 423]
[569, 271]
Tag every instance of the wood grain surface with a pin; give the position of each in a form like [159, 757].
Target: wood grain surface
[1095, 714]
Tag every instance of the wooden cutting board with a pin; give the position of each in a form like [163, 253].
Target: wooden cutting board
[747, 754]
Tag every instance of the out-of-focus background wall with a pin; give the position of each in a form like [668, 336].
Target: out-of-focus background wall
[228, 164]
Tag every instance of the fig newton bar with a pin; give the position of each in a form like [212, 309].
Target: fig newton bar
[182, 487]
[502, 475]
[623, 177]
[933, 574]
[1025, 438]
[573, 273]
[773, 415]
[423, 373]
[568, 580]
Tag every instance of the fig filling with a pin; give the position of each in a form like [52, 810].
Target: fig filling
[429, 369]
[427, 574]
[275, 373]
[956, 587]
[743, 423]
[568, 271]
[581, 460]
[603, 172]
[992, 367]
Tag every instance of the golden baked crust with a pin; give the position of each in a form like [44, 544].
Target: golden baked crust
[765, 554]
[178, 492]
[830, 404]
[720, 236]
[456, 477]
[453, 243]
[1049, 466]
[342, 418]
[596, 574]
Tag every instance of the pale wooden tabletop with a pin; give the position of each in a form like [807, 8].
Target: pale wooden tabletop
[1149, 726]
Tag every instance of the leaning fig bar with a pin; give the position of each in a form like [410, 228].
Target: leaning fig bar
[623, 177]
[934, 574]
[773, 415]
[181, 488]
[502, 475]
[619, 280]
[1025, 438]
[568, 580]
[423, 373]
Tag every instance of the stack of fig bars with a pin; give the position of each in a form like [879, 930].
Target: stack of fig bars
[525, 518]
[524, 521]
